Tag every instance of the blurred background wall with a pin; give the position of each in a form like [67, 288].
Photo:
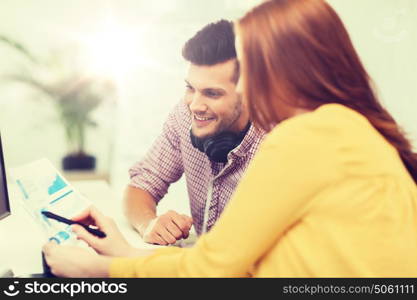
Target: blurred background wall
[137, 45]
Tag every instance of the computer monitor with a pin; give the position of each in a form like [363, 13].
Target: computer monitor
[4, 212]
[4, 195]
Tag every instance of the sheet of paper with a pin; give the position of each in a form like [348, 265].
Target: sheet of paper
[42, 188]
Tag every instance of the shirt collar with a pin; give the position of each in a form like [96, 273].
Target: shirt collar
[249, 143]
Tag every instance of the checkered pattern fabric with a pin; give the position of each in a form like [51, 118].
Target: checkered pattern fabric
[173, 155]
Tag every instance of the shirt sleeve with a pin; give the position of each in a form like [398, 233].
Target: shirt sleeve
[294, 164]
[162, 165]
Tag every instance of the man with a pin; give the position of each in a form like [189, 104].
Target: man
[207, 137]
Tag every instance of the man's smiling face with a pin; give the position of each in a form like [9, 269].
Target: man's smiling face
[212, 99]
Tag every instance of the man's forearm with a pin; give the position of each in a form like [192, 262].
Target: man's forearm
[139, 208]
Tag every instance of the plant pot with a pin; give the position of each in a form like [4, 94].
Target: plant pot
[79, 162]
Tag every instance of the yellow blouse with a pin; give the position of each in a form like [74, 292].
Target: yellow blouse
[326, 196]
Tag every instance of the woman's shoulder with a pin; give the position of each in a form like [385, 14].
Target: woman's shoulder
[327, 121]
[340, 134]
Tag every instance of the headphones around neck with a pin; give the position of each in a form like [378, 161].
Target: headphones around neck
[218, 146]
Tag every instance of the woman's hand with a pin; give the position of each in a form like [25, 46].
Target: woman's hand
[73, 261]
[114, 244]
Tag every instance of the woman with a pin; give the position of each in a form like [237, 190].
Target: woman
[332, 191]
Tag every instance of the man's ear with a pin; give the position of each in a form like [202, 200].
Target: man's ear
[236, 72]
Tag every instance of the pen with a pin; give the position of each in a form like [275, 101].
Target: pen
[96, 232]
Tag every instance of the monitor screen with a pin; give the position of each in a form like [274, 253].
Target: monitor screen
[4, 196]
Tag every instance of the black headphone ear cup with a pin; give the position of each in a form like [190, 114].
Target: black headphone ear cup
[218, 147]
[196, 142]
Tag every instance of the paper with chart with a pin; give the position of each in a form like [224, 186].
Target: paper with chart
[42, 188]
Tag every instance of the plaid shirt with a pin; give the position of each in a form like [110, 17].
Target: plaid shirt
[172, 155]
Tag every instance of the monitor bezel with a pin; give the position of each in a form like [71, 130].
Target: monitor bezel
[3, 171]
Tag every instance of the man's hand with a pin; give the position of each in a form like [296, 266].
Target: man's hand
[167, 228]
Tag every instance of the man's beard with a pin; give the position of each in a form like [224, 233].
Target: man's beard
[218, 145]
[225, 124]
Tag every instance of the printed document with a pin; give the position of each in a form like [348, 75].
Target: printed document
[43, 188]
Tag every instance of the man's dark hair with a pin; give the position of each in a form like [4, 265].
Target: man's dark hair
[213, 44]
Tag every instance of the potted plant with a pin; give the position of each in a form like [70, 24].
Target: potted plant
[74, 95]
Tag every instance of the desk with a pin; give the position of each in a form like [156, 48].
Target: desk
[22, 240]
[73, 176]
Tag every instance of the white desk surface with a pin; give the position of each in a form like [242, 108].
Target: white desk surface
[22, 239]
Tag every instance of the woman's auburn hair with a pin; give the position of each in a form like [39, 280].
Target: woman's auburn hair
[298, 53]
